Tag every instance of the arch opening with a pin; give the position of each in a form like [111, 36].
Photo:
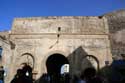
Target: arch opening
[54, 65]
[93, 61]
[28, 59]
[55, 62]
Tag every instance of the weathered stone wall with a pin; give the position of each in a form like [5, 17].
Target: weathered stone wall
[35, 39]
[77, 37]
[71, 25]
[6, 56]
[72, 48]
[116, 22]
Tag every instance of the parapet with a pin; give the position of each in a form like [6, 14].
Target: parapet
[68, 25]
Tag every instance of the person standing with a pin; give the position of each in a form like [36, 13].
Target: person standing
[1, 74]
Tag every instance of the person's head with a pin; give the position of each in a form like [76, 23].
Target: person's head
[20, 72]
[1, 67]
[23, 65]
[89, 72]
[27, 68]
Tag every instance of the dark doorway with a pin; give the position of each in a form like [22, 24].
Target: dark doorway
[54, 64]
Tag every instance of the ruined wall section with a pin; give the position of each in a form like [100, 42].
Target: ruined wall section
[116, 22]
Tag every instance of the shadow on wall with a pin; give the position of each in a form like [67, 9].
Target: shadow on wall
[77, 61]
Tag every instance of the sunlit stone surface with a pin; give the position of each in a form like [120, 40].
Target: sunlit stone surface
[33, 40]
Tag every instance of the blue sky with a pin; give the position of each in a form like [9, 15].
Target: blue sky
[9, 9]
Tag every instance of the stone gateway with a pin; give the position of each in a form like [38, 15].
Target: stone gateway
[48, 43]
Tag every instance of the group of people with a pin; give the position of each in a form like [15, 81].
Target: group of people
[89, 76]
[23, 75]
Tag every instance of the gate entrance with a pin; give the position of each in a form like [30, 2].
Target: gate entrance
[54, 64]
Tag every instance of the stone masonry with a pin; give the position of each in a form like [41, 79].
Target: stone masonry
[37, 38]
